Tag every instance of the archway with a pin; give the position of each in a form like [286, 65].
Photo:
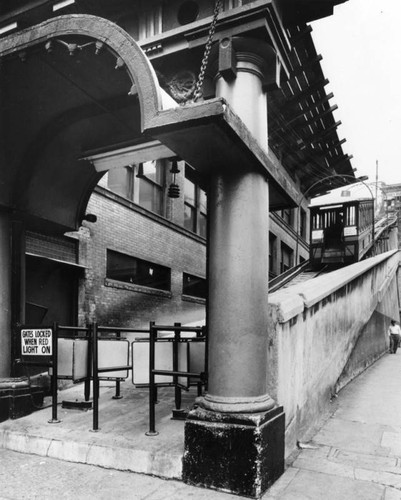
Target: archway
[69, 85]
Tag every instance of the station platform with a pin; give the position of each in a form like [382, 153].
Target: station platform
[120, 443]
[355, 454]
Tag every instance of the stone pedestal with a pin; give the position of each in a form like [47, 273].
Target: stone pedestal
[237, 453]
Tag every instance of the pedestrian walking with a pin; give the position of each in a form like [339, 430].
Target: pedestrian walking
[394, 332]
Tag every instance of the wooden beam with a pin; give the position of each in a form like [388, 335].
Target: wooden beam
[318, 117]
[325, 132]
[310, 108]
[304, 94]
[300, 69]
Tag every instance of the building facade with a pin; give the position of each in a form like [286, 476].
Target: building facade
[141, 90]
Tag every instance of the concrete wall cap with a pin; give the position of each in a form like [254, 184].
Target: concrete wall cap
[317, 289]
[291, 301]
[287, 304]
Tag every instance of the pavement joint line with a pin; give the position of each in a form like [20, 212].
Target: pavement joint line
[48, 448]
[379, 480]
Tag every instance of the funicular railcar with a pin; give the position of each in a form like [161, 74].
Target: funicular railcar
[341, 233]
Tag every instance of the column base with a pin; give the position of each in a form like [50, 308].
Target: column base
[237, 453]
[18, 398]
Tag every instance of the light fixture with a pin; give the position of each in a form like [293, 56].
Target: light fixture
[174, 188]
[90, 218]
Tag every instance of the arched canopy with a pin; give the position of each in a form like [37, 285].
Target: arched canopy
[71, 84]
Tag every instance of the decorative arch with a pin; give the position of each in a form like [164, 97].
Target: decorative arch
[118, 41]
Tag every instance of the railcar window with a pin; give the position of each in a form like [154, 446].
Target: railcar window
[365, 215]
[316, 221]
[350, 219]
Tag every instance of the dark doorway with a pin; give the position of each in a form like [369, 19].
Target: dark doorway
[51, 291]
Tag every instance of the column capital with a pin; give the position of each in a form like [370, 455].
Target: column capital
[239, 54]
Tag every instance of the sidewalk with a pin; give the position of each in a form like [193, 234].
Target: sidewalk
[356, 454]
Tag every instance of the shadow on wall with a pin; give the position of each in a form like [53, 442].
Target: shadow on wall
[323, 333]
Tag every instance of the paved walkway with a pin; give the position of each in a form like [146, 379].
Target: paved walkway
[356, 454]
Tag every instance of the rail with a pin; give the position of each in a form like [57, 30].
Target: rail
[175, 373]
[40, 346]
[284, 278]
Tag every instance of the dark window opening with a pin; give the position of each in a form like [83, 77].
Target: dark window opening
[194, 286]
[302, 224]
[286, 258]
[129, 269]
[272, 253]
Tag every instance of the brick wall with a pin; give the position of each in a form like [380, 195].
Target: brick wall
[128, 229]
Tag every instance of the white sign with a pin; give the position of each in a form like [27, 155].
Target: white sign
[350, 231]
[36, 342]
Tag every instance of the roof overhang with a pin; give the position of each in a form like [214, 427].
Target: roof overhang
[297, 12]
[211, 137]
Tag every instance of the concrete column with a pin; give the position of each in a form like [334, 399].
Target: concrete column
[238, 277]
[234, 440]
[5, 296]
[239, 246]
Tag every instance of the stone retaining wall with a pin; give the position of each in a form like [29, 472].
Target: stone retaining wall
[324, 332]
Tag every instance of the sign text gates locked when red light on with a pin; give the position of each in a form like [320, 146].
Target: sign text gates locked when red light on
[36, 341]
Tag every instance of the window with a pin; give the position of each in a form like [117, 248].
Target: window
[302, 224]
[143, 184]
[350, 215]
[194, 286]
[195, 211]
[272, 253]
[129, 269]
[149, 192]
[287, 216]
[286, 258]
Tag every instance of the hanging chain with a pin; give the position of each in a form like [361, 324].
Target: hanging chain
[208, 47]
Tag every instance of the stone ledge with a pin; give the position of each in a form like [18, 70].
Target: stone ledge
[110, 457]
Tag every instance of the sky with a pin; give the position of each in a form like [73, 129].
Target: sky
[361, 49]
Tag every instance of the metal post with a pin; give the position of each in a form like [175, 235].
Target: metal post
[177, 389]
[87, 390]
[117, 395]
[54, 419]
[95, 376]
[204, 333]
[152, 388]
